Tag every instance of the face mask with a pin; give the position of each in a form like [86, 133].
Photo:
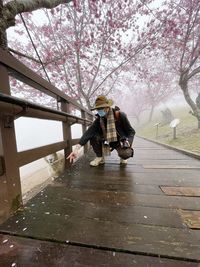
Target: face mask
[101, 112]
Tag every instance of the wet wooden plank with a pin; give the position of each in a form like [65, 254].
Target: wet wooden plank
[135, 238]
[134, 169]
[162, 155]
[162, 162]
[32, 253]
[111, 185]
[116, 213]
[150, 176]
[168, 178]
[126, 198]
[191, 218]
[181, 191]
[171, 166]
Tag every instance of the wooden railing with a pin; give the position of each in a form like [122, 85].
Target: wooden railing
[12, 108]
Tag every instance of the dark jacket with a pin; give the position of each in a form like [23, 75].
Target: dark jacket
[123, 128]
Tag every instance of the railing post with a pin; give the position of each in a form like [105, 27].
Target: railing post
[84, 127]
[67, 136]
[10, 187]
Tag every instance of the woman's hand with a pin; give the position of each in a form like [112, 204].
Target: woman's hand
[73, 155]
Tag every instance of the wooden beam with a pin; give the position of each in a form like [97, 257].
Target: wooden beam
[10, 187]
[28, 156]
[75, 141]
[67, 135]
[15, 106]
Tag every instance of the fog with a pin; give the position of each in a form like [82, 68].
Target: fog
[32, 133]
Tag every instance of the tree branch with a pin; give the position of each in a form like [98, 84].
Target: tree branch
[23, 55]
[193, 73]
[123, 63]
[12, 8]
[98, 66]
[20, 6]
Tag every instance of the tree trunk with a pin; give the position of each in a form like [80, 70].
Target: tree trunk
[138, 119]
[88, 103]
[151, 113]
[184, 87]
[3, 37]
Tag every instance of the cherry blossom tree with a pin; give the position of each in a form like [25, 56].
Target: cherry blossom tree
[138, 104]
[157, 79]
[9, 10]
[85, 45]
[131, 97]
[180, 43]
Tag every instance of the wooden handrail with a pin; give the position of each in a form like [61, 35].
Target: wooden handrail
[26, 75]
[12, 108]
[18, 105]
[15, 107]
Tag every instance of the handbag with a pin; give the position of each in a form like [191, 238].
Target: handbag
[124, 150]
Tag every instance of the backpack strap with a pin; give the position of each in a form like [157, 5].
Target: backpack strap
[117, 115]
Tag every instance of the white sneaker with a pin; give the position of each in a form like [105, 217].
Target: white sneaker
[123, 161]
[97, 161]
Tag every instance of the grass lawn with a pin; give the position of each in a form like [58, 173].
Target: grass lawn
[188, 136]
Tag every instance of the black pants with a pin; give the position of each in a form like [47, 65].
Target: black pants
[96, 143]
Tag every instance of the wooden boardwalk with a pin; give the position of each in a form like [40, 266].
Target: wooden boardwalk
[144, 214]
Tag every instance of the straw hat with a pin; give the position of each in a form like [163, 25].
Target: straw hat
[102, 102]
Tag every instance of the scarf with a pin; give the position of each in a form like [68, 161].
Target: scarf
[109, 132]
